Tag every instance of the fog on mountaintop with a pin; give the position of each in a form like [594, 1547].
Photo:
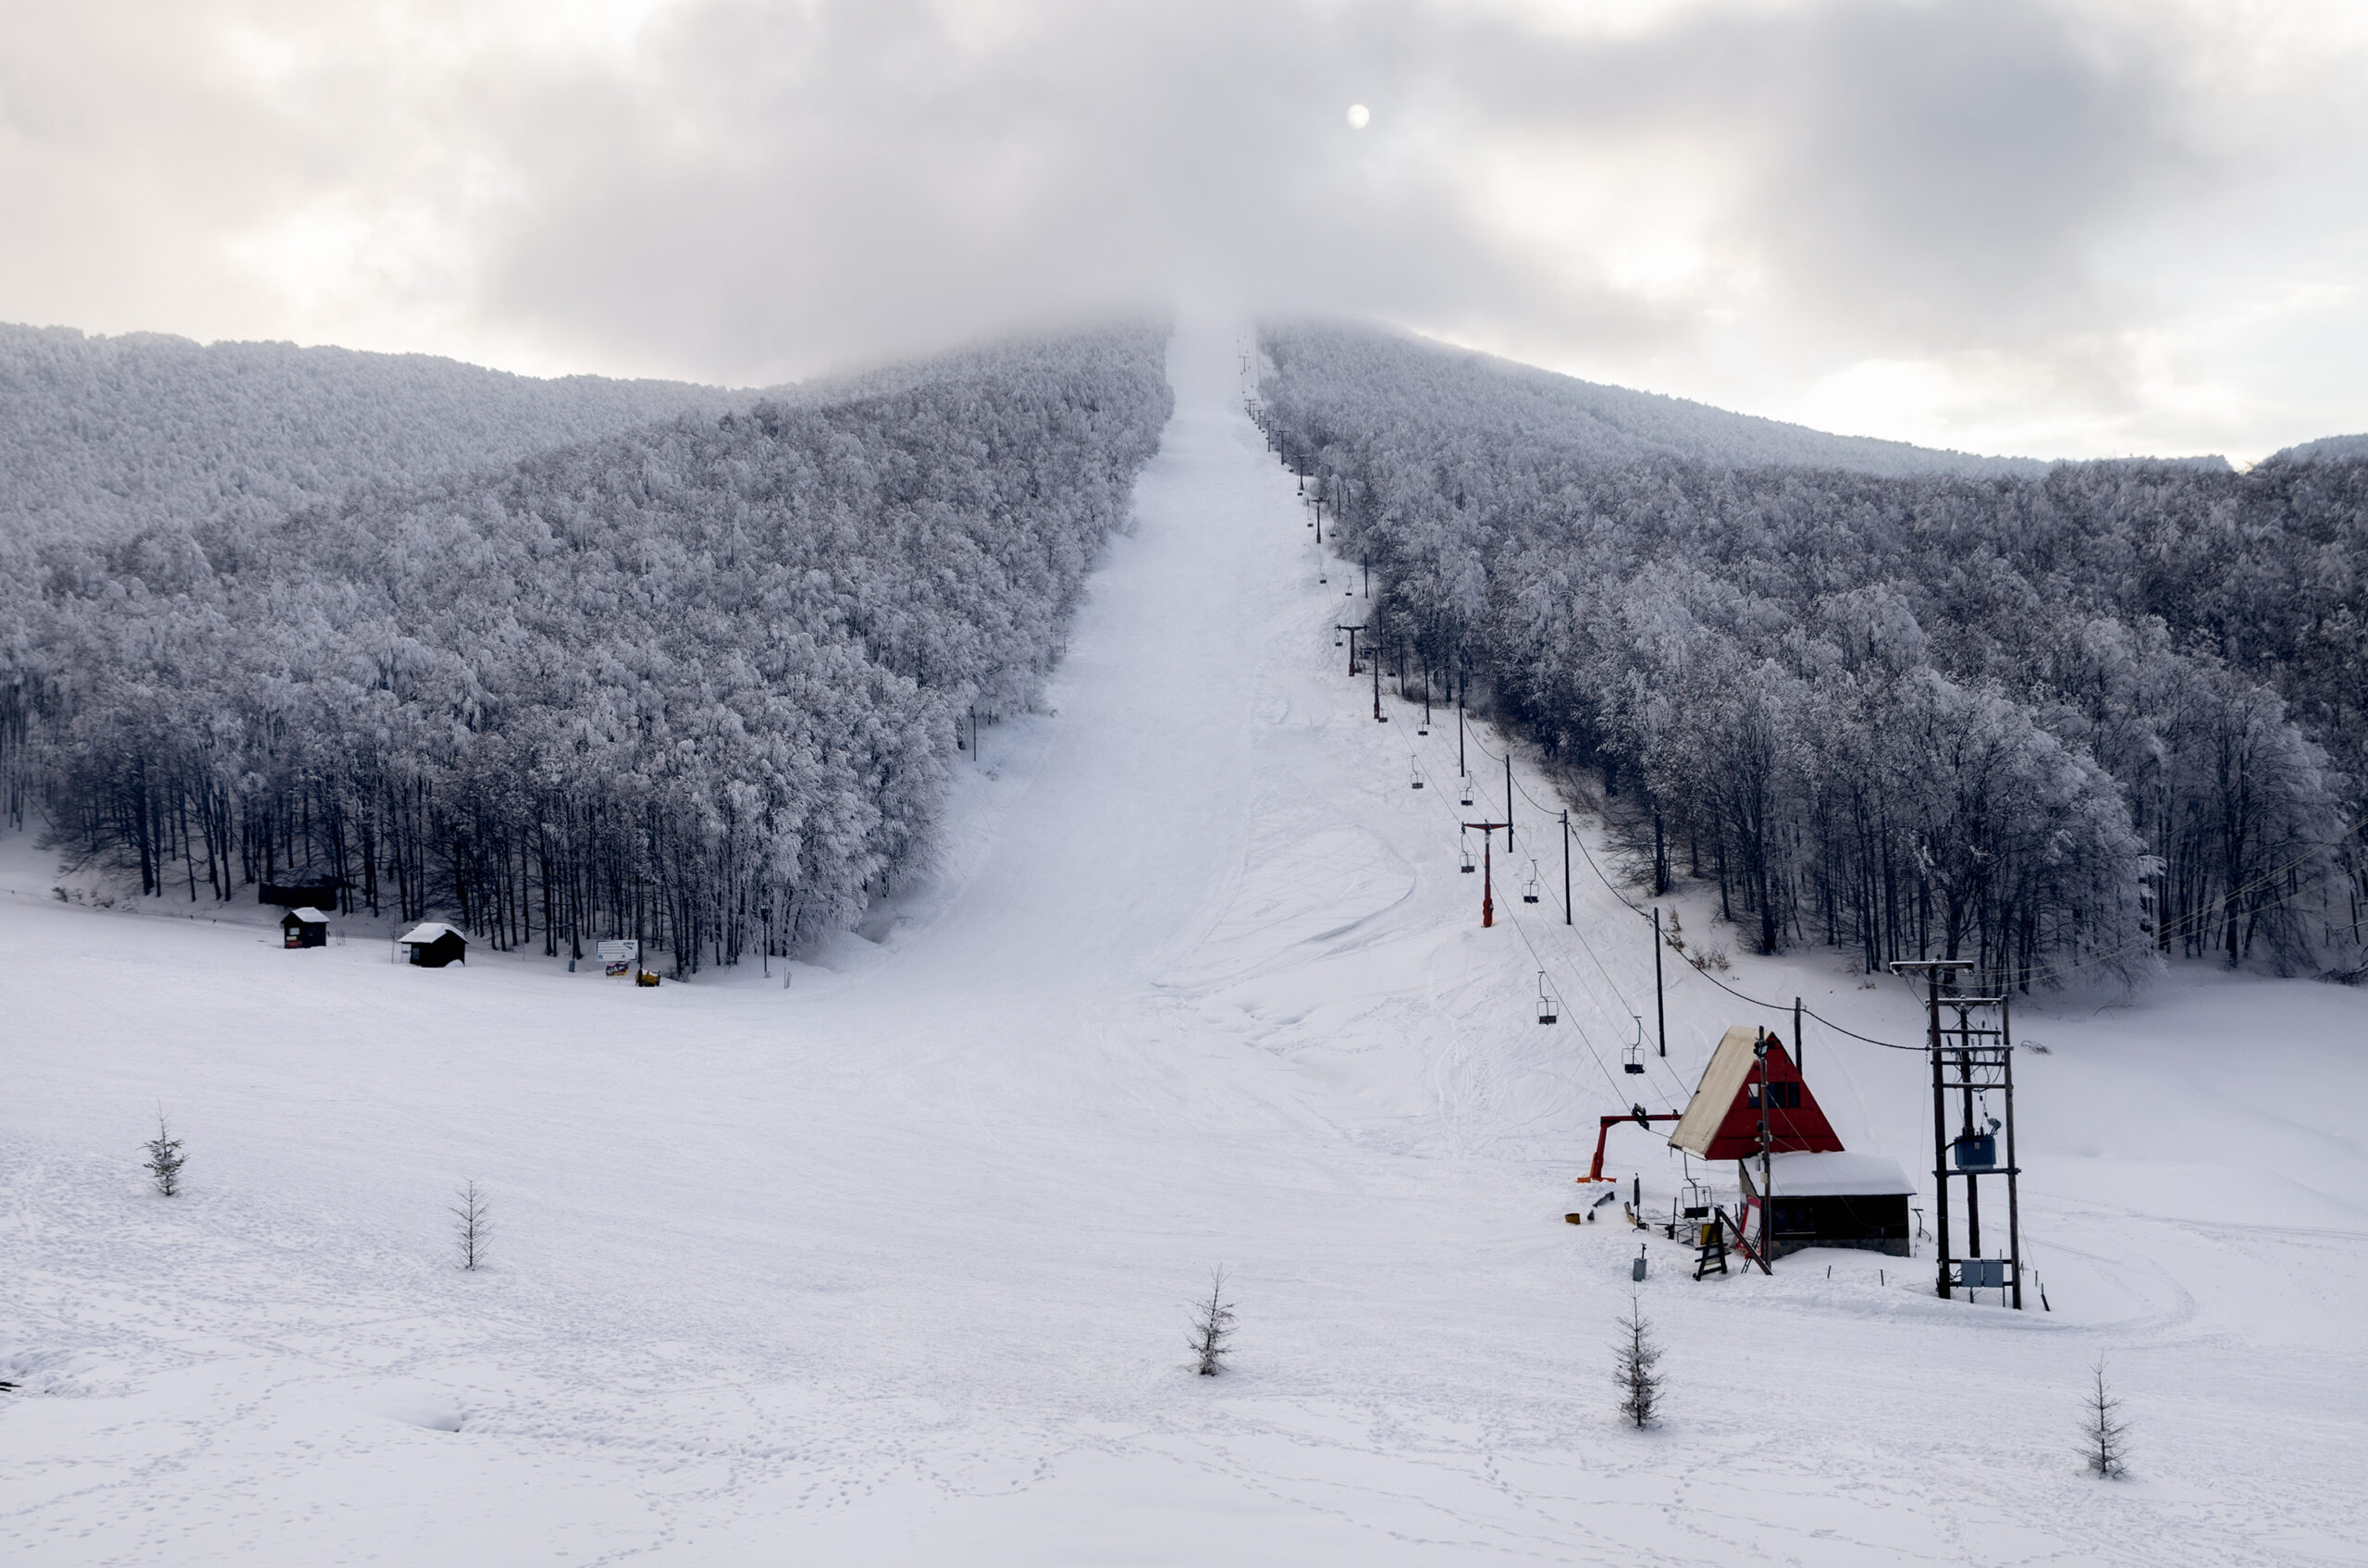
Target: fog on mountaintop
[2049, 229]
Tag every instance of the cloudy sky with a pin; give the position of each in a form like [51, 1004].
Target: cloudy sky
[2090, 226]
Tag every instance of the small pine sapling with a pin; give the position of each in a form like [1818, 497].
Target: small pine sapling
[2103, 1434]
[1635, 1366]
[1212, 1326]
[471, 1226]
[164, 1158]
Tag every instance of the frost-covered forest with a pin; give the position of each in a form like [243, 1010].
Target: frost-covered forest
[2056, 719]
[101, 436]
[696, 682]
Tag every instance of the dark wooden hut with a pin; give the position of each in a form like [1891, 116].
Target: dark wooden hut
[305, 928]
[432, 945]
[1830, 1200]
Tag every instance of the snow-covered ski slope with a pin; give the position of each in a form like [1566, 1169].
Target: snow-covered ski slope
[893, 1267]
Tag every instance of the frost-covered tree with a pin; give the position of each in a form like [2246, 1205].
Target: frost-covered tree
[2057, 720]
[471, 1225]
[1212, 1328]
[645, 685]
[164, 1158]
[1636, 1359]
[2103, 1434]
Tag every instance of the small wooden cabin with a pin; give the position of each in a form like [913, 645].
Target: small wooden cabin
[303, 928]
[432, 945]
[1722, 1120]
[1830, 1200]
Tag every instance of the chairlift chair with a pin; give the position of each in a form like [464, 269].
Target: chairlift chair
[1696, 1203]
[1548, 1009]
[1529, 894]
[1414, 771]
[1468, 866]
[1467, 789]
[1631, 1059]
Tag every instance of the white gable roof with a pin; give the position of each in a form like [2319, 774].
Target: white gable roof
[427, 931]
[1834, 1175]
[1730, 1064]
[309, 915]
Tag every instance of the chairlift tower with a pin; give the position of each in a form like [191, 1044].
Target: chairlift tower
[1972, 1058]
[1352, 632]
[1488, 877]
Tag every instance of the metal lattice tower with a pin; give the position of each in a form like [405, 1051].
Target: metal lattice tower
[1972, 1058]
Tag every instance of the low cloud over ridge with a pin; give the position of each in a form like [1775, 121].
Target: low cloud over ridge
[2071, 228]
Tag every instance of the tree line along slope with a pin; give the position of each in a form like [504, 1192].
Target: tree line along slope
[2068, 720]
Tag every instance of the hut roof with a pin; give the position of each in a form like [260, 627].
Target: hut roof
[1835, 1174]
[1721, 1082]
[427, 931]
[1720, 1124]
[311, 917]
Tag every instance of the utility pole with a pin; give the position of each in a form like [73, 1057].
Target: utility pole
[1487, 890]
[1352, 632]
[1798, 1053]
[1509, 798]
[1566, 868]
[1378, 716]
[1460, 766]
[1660, 1009]
[1767, 1180]
[1368, 566]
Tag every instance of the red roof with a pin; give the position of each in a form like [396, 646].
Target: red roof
[1722, 1121]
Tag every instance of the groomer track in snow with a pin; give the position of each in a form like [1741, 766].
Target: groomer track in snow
[895, 1264]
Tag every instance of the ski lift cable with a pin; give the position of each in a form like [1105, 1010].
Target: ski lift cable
[1619, 1094]
[1514, 919]
[2047, 972]
[1704, 974]
[1569, 914]
[1583, 987]
[1643, 914]
[1596, 958]
[1675, 1085]
[2227, 901]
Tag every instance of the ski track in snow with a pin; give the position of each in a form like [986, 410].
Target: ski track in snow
[892, 1266]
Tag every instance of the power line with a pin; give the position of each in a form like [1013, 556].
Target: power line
[1643, 914]
[1621, 1092]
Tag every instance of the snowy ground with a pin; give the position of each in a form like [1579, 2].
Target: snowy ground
[892, 1266]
